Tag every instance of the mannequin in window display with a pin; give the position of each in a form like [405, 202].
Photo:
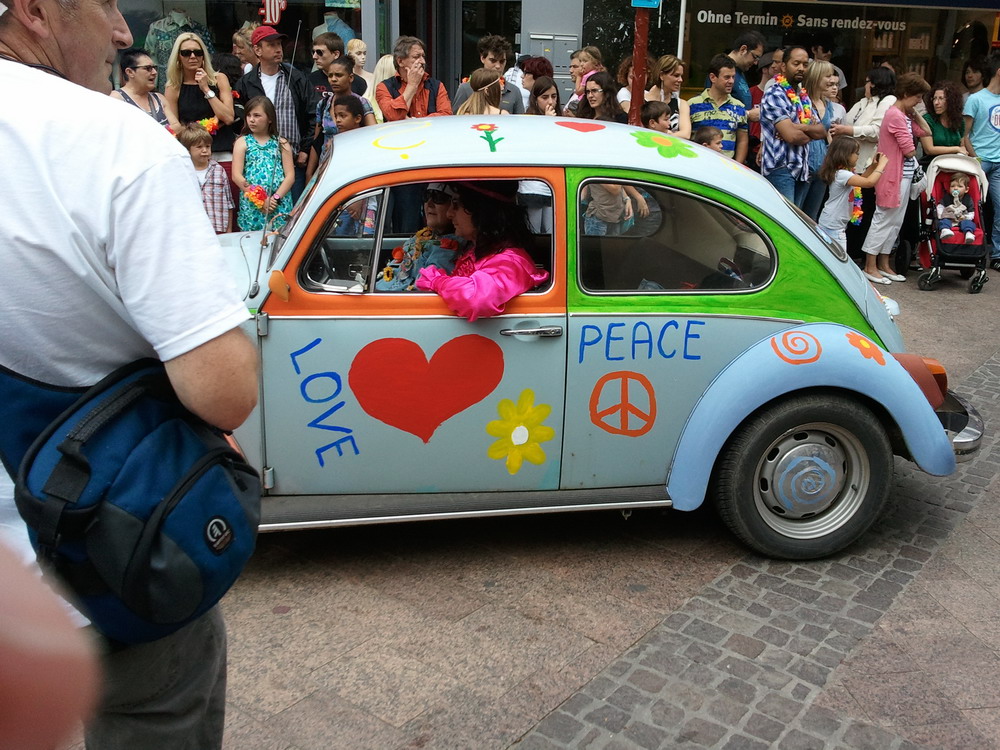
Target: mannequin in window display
[333, 23]
[163, 33]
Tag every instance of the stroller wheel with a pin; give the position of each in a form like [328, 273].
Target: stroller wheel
[925, 282]
[975, 287]
[966, 273]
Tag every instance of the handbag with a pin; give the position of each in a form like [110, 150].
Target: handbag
[146, 513]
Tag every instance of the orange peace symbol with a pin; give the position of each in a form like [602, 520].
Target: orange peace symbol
[616, 418]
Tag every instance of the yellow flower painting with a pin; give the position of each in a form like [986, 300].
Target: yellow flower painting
[520, 431]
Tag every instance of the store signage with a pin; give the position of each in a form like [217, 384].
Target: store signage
[798, 21]
[271, 11]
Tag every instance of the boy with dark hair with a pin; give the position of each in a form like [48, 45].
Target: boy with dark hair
[716, 106]
[494, 50]
[655, 116]
[708, 136]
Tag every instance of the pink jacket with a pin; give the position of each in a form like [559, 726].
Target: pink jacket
[481, 287]
[895, 138]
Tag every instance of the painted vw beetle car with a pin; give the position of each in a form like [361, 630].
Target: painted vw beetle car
[715, 348]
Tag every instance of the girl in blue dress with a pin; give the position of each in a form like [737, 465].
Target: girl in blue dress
[262, 169]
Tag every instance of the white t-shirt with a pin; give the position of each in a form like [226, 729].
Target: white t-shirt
[837, 209]
[202, 175]
[108, 255]
[270, 84]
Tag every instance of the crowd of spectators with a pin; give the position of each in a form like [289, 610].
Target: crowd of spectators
[775, 110]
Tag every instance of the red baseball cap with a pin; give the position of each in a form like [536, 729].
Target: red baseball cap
[265, 33]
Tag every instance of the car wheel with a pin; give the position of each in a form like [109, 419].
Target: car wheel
[805, 478]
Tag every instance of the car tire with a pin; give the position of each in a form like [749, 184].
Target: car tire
[831, 456]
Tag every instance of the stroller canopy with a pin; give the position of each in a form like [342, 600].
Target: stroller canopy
[956, 163]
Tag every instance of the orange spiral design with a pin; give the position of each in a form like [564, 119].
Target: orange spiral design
[797, 347]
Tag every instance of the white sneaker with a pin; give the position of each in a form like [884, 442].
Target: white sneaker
[970, 237]
[946, 233]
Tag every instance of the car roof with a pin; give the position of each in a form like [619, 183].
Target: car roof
[477, 140]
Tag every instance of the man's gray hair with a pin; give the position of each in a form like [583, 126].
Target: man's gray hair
[404, 44]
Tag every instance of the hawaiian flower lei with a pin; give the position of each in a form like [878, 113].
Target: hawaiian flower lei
[802, 103]
[211, 124]
[857, 213]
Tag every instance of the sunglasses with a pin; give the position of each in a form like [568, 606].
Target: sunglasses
[440, 197]
[189, 52]
[317, 52]
[147, 68]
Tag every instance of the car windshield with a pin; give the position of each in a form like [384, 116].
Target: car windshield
[293, 219]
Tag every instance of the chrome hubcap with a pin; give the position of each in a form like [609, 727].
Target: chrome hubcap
[811, 480]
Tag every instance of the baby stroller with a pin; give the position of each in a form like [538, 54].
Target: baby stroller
[970, 259]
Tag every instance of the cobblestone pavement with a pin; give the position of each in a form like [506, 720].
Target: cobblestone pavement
[816, 655]
[589, 631]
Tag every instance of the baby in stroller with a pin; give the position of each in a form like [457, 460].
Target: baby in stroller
[960, 210]
[951, 234]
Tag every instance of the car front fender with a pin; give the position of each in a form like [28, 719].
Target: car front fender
[818, 355]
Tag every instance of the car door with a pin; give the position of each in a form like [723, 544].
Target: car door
[660, 304]
[389, 392]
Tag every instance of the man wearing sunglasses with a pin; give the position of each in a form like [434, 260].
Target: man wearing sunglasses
[290, 91]
[326, 48]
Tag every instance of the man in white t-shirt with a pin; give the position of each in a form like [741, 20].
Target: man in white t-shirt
[108, 257]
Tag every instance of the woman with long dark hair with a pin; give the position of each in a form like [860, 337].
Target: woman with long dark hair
[496, 268]
[544, 98]
[944, 117]
[599, 99]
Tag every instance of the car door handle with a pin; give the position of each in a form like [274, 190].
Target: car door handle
[545, 331]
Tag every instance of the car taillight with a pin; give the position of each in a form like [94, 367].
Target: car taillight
[927, 373]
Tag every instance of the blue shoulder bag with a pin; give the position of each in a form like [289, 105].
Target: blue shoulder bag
[144, 511]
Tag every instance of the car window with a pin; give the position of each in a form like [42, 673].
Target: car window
[343, 257]
[414, 236]
[647, 239]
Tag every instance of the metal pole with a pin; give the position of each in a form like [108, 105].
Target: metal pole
[639, 54]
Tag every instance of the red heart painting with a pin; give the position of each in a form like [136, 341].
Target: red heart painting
[396, 384]
[582, 127]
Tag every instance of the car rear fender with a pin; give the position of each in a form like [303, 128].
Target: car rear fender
[818, 355]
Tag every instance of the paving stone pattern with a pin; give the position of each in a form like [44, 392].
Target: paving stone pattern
[742, 665]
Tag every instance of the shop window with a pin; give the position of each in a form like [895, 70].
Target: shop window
[665, 241]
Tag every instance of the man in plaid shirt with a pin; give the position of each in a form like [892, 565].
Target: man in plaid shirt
[215, 192]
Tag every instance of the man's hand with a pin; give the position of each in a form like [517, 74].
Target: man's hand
[753, 115]
[301, 158]
[415, 75]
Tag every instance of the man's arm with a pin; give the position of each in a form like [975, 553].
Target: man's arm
[742, 145]
[218, 380]
[791, 133]
[966, 140]
[392, 109]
